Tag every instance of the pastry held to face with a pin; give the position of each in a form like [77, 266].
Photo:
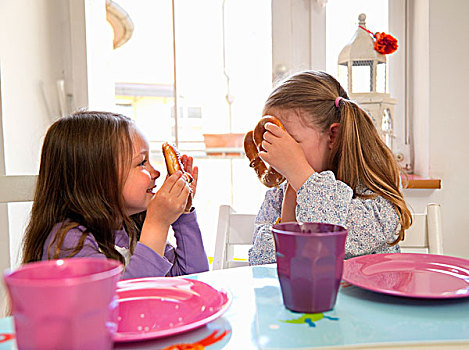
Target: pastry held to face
[253, 145]
[173, 163]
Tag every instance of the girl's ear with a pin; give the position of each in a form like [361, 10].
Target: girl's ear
[333, 134]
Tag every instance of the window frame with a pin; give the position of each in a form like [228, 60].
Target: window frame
[293, 50]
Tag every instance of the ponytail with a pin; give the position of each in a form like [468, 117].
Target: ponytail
[360, 157]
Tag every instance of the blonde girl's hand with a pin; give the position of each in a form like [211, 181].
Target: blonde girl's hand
[187, 162]
[285, 155]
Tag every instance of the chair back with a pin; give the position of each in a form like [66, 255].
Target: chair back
[233, 229]
[425, 233]
[17, 188]
[12, 189]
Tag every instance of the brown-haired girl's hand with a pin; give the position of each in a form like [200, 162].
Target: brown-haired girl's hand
[165, 207]
[187, 162]
[169, 201]
[285, 155]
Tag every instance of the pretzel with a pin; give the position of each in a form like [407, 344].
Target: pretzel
[253, 145]
[173, 163]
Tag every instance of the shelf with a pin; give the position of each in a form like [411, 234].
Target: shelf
[416, 182]
[224, 151]
[409, 181]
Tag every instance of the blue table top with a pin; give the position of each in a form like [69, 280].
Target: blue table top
[258, 319]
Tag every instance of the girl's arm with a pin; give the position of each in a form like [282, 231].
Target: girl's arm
[143, 263]
[371, 223]
[289, 205]
[189, 255]
[378, 225]
[263, 249]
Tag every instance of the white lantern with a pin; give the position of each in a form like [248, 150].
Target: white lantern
[362, 70]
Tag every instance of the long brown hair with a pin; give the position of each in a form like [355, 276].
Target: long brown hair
[359, 156]
[84, 161]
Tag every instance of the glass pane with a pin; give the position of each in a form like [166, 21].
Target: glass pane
[342, 23]
[381, 77]
[143, 68]
[343, 76]
[223, 76]
[362, 76]
[224, 59]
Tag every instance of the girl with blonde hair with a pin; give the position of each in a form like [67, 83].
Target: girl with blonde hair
[338, 169]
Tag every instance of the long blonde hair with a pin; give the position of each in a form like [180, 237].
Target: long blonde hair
[84, 161]
[359, 156]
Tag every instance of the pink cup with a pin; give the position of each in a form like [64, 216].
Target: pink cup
[310, 259]
[65, 304]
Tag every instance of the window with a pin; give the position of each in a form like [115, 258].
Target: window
[381, 16]
[311, 34]
[219, 67]
[342, 21]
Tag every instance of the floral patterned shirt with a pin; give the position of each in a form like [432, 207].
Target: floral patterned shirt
[371, 223]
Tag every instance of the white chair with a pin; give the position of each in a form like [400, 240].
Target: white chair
[425, 234]
[12, 189]
[233, 229]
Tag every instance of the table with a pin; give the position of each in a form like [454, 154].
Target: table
[361, 319]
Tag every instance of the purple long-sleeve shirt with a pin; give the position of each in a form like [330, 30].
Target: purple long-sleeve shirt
[188, 257]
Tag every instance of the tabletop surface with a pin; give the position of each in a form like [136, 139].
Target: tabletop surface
[361, 319]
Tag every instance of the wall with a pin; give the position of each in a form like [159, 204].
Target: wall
[32, 48]
[43, 42]
[31, 62]
[448, 119]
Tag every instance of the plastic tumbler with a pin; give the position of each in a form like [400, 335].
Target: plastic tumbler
[65, 304]
[310, 260]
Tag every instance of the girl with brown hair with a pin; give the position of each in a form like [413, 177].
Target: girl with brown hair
[338, 169]
[95, 174]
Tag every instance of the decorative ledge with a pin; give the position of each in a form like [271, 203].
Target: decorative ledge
[230, 144]
[417, 182]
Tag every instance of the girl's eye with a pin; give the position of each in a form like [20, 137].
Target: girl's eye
[143, 163]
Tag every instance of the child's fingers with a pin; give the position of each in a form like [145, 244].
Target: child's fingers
[274, 129]
[269, 137]
[181, 193]
[179, 188]
[170, 181]
[188, 163]
[195, 176]
[266, 145]
[264, 156]
[195, 173]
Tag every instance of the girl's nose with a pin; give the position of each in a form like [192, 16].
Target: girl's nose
[154, 173]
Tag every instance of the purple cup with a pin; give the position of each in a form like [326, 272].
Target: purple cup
[65, 304]
[310, 260]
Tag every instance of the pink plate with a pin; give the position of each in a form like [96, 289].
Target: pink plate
[156, 307]
[410, 275]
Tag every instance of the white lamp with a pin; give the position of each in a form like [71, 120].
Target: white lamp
[363, 71]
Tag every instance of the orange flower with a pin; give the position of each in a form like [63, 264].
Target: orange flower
[385, 43]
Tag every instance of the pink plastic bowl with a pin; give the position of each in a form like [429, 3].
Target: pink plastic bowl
[65, 304]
